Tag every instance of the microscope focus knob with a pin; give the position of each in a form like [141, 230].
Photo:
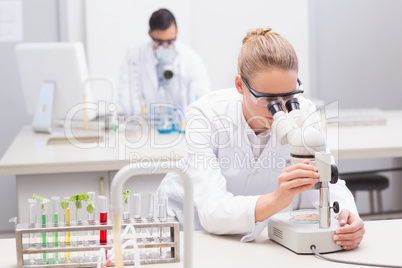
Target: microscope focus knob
[335, 207]
[334, 174]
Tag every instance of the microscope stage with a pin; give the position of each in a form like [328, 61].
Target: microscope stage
[299, 237]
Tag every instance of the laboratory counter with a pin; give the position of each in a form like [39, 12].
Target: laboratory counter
[381, 245]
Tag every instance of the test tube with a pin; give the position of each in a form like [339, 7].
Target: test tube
[136, 206]
[44, 213]
[91, 221]
[162, 213]
[79, 216]
[32, 220]
[126, 208]
[33, 203]
[102, 203]
[150, 197]
[66, 207]
[136, 210]
[91, 216]
[150, 206]
[55, 212]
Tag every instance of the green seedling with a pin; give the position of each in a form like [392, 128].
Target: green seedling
[125, 196]
[42, 200]
[78, 202]
[65, 204]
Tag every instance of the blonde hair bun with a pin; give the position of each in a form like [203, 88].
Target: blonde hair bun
[262, 50]
[258, 32]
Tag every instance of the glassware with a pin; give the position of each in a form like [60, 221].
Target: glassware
[126, 207]
[66, 206]
[102, 204]
[55, 218]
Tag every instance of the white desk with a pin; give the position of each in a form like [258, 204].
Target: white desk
[380, 245]
[373, 141]
[29, 153]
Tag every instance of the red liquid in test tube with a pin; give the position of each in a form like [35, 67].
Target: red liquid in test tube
[103, 233]
[102, 202]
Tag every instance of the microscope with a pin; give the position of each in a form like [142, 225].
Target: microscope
[164, 112]
[306, 141]
[165, 57]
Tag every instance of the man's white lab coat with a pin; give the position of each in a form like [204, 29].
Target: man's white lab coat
[139, 83]
[227, 178]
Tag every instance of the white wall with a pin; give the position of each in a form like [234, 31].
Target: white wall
[40, 24]
[357, 60]
[219, 43]
[359, 52]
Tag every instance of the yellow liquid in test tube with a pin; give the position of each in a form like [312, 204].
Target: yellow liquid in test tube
[68, 235]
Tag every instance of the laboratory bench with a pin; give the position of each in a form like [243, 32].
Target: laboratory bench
[381, 245]
[54, 164]
[64, 164]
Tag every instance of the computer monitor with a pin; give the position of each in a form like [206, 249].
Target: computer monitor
[52, 77]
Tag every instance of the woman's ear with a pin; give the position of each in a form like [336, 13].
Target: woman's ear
[239, 84]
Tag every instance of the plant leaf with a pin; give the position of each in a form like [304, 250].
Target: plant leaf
[125, 196]
[73, 198]
[42, 200]
[78, 204]
[90, 207]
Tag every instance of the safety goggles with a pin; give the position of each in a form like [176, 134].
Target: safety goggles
[263, 99]
[159, 42]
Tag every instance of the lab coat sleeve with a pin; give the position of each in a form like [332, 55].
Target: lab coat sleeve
[199, 84]
[219, 211]
[129, 84]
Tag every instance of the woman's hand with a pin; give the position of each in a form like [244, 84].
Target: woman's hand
[351, 232]
[293, 180]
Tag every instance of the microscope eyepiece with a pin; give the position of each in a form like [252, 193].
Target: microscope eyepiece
[292, 104]
[274, 107]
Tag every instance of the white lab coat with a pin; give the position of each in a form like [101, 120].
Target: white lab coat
[138, 85]
[227, 178]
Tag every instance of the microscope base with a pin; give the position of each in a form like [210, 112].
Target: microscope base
[299, 237]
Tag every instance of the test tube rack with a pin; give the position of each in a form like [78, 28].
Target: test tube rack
[25, 251]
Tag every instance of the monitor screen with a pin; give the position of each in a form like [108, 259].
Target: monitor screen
[65, 65]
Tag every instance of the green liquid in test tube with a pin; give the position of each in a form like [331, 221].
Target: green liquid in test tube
[44, 235]
[55, 205]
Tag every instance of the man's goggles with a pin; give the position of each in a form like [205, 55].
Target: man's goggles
[159, 42]
[263, 99]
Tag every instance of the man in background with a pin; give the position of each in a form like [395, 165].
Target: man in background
[161, 65]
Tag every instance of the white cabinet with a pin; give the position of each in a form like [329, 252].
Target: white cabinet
[61, 185]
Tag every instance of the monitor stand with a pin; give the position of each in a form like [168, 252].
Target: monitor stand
[42, 121]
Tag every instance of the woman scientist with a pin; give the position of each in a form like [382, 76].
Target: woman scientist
[238, 168]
